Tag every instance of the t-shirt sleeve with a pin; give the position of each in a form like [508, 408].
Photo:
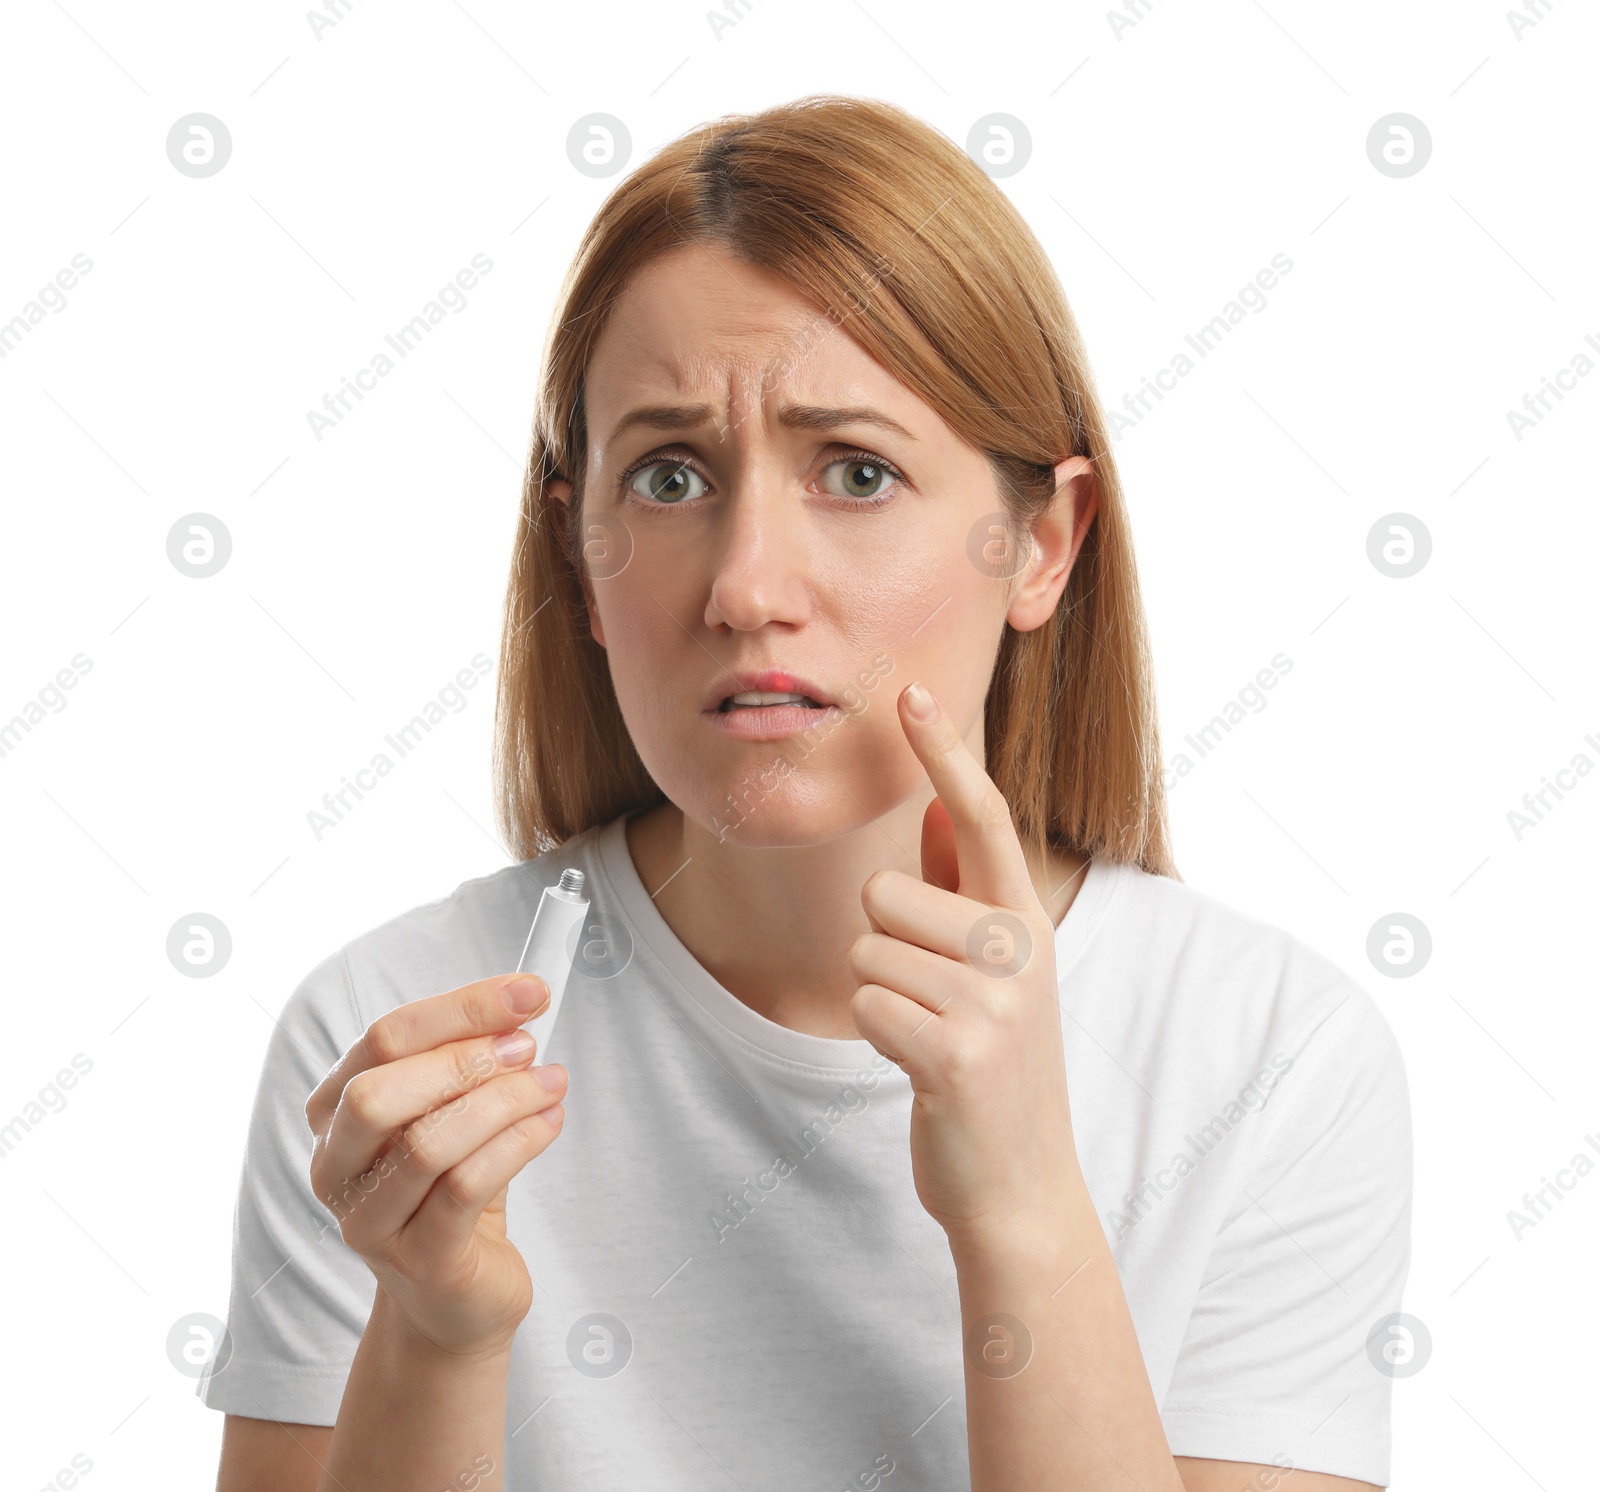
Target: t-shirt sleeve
[299, 1296]
[1312, 1254]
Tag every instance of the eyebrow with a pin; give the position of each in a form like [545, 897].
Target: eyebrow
[794, 416]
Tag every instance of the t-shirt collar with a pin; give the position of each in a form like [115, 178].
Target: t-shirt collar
[823, 1053]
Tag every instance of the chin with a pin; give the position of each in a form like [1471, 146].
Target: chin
[770, 810]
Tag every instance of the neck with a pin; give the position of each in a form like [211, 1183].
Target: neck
[773, 926]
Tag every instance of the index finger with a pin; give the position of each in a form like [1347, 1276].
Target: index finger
[481, 1008]
[988, 853]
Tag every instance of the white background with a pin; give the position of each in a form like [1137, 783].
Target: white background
[1168, 166]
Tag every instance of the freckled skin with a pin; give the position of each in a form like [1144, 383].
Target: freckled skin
[767, 572]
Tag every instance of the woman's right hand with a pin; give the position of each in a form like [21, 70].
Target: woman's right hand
[419, 1129]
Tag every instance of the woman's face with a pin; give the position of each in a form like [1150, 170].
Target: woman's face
[762, 495]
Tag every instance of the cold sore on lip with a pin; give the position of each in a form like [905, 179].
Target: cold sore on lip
[766, 714]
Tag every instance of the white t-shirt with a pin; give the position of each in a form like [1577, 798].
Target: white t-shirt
[734, 1282]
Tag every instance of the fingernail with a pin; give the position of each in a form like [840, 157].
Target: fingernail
[552, 1075]
[523, 996]
[512, 1046]
[554, 1115]
[920, 702]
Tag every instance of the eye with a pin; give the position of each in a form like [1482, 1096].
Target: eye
[664, 483]
[862, 477]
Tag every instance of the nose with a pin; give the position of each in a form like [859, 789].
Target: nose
[760, 557]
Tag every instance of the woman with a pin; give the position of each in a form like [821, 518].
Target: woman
[912, 1122]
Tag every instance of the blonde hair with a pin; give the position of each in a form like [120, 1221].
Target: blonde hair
[881, 220]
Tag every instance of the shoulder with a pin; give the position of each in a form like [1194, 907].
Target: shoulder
[1215, 986]
[474, 931]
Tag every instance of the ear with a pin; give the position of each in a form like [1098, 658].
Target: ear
[1058, 535]
[560, 490]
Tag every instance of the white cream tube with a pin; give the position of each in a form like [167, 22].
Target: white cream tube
[555, 931]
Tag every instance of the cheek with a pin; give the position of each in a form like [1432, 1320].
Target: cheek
[633, 579]
[929, 612]
[639, 614]
[652, 617]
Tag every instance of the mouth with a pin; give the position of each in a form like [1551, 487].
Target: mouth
[766, 706]
[735, 691]
[757, 699]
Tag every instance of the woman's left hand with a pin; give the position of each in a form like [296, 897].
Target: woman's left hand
[958, 987]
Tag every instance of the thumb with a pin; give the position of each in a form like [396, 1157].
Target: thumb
[939, 864]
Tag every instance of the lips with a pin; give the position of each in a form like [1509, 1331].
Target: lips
[767, 681]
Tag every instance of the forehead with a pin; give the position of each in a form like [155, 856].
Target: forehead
[697, 322]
